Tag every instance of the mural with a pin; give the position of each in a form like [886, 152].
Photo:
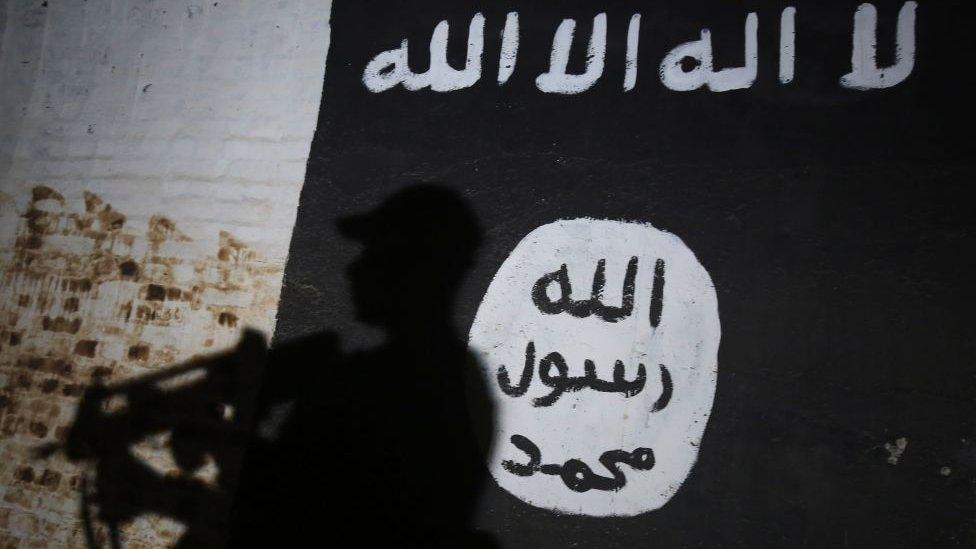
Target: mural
[499, 325]
[687, 67]
[617, 325]
[723, 267]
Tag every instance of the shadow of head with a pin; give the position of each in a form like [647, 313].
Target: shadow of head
[418, 244]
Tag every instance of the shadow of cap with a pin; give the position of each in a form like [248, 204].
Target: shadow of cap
[423, 215]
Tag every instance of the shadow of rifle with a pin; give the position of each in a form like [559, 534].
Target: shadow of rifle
[206, 406]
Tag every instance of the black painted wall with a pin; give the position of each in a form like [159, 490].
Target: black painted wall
[836, 225]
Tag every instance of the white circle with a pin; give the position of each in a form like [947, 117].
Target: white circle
[594, 416]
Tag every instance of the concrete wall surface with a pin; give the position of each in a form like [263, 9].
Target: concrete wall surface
[151, 158]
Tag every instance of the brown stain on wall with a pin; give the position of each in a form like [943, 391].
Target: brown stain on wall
[84, 296]
[227, 319]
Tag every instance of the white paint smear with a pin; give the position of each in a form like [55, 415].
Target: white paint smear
[391, 67]
[865, 73]
[599, 417]
[630, 65]
[509, 49]
[787, 45]
[674, 77]
[556, 80]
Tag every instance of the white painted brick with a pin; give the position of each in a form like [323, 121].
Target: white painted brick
[206, 120]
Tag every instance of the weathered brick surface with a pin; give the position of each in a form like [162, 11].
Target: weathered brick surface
[151, 156]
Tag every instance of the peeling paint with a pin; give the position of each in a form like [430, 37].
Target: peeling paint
[896, 449]
[85, 295]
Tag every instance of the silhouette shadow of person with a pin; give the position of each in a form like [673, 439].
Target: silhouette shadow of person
[384, 444]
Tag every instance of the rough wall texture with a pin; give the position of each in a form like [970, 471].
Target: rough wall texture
[151, 155]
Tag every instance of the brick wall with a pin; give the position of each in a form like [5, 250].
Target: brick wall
[151, 157]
